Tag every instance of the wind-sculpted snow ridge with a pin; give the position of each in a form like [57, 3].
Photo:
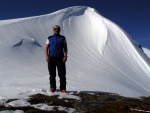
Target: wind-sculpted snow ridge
[102, 57]
[147, 51]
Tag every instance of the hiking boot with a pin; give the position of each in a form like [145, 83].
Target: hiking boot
[63, 91]
[52, 90]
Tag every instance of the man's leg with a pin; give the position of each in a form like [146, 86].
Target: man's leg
[52, 73]
[62, 74]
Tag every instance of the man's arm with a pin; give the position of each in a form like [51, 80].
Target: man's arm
[46, 52]
[65, 51]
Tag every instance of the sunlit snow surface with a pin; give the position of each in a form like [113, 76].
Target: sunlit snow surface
[101, 56]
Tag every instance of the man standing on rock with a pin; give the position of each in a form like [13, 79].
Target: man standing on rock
[56, 56]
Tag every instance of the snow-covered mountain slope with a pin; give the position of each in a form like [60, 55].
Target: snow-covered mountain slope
[146, 51]
[102, 57]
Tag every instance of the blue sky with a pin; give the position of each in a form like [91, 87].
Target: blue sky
[131, 15]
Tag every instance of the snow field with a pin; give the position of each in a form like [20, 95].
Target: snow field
[101, 56]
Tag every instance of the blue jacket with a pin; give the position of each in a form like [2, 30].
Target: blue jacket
[57, 46]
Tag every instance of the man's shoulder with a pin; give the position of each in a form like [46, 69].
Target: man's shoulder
[50, 36]
[62, 36]
[54, 35]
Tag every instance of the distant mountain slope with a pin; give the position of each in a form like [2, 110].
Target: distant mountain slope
[102, 57]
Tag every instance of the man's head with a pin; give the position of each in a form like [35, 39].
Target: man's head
[56, 29]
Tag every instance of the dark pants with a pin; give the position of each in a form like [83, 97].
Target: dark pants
[61, 67]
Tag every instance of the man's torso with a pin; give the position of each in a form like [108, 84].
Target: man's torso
[56, 45]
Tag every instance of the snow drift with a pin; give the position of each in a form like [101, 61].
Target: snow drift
[102, 57]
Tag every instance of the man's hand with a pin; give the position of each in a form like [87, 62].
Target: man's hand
[65, 59]
[47, 59]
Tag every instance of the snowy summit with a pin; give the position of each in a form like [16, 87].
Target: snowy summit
[101, 56]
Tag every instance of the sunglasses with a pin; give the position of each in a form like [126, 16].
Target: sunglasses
[56, 29]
